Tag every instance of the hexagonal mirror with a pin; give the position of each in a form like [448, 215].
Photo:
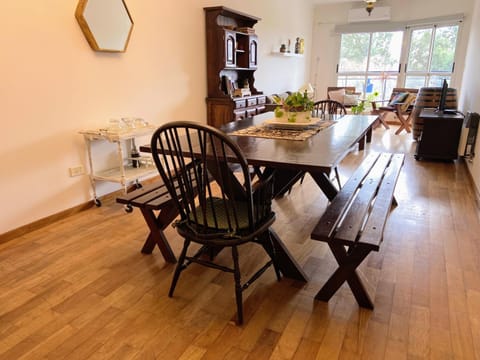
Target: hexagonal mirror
[106, 24]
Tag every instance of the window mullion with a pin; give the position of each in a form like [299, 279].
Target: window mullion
[430, 55]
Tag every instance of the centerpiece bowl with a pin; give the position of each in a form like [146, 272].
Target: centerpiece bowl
[296, 108]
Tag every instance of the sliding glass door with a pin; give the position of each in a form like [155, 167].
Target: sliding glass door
[415, 57]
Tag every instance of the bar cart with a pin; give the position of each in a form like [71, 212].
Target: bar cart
[129, 167]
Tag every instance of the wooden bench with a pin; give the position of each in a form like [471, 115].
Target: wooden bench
[355, 219]
[149, 199]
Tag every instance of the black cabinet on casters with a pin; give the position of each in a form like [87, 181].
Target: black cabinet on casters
[440, 135]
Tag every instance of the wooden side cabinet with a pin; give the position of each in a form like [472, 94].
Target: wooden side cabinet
[232, 58]
[440, 136]
[223, 110]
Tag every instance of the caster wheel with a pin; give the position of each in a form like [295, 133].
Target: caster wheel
[97, 202]
[128, 208]
[138, 185]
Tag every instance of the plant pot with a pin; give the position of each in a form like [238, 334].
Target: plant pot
[299, 116]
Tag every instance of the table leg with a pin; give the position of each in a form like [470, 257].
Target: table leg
[284, 180]
[361, 143]
[325, 184]
[286, 262]
[156, 236]
[369, 134]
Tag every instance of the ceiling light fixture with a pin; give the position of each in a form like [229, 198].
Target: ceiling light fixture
[370, 4]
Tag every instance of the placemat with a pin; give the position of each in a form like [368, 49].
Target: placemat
[273, 132]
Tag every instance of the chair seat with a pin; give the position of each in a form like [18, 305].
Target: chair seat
[386, 108]
[216, 216]
[392, 108]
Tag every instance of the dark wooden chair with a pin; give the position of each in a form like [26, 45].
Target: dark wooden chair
[323, 107]
[225, 212]
[402, 109]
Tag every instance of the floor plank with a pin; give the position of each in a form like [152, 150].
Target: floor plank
[80, 288]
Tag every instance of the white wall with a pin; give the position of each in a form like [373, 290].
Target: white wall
[470, 98]
[327, 42]
[53, 85]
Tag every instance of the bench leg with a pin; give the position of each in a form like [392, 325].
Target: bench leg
[156, 236]
[348, 262]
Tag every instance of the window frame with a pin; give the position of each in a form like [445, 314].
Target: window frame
[375, 75]
[401, 74]
[429, 73]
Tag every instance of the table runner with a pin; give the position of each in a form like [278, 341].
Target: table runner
[270, 132]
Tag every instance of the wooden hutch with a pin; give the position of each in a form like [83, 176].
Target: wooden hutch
[232, 52]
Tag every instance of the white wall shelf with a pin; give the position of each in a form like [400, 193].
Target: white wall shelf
[286, 54]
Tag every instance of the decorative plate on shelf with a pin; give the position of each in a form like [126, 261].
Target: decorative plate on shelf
[292, 125]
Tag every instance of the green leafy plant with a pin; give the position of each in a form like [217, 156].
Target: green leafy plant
[360, 108]
[295, 102]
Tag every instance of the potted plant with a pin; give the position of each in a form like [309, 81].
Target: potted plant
[296, 107]
[361, 107]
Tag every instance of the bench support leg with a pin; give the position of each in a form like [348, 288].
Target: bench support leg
[156, 236]
[348, 262]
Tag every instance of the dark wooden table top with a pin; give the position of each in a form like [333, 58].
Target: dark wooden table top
[319, 153]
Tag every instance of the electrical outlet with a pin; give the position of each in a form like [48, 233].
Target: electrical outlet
[76, 170]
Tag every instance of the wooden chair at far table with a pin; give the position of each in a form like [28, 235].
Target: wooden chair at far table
[321, 108]
[217, 208]
[401, 104]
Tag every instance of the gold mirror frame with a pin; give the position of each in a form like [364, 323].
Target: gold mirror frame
[106, 24]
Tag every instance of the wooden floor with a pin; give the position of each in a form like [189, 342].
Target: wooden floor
[81, 289]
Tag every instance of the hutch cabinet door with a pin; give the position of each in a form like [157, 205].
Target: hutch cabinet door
[230, 45]
[253, 50]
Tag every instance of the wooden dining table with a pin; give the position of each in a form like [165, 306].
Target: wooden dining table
[318, 155]
[290, 159]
